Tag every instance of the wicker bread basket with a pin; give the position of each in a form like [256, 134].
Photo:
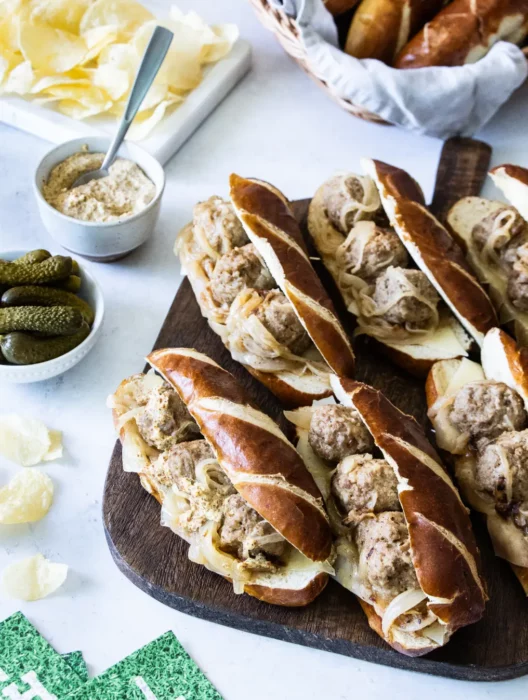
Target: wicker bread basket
[285, 29]
[287, 33]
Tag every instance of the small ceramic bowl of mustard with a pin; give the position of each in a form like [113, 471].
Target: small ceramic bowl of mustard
[100, 241]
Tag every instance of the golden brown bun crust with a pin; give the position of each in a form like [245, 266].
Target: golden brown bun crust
[461, 27]
[267, 216]
[380, 28]
[246, 449]
[291, 598]
[440, 256]
[444, 551]
[514, 171]
[287, 394]
[337, 7]
[374, 621]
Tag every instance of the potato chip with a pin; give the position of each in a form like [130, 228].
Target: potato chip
[126, 14]
[48, 49]
[27, 441]
[80, 57]
[61, 14]
[26, 498]
[143, 124]
[20, 80]
[33, 578]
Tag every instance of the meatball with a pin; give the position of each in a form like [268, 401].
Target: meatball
[241, 529]
[505, 219]
[278, 317]
[362, 484]
[395, 297]
[483, 410]
[517, 290]
[371, 251]
[385, 555]
[215, 221]
[337, 432]
[237, 270]
[178, 464]
[340, 194]
[165, 420]
[505, 461]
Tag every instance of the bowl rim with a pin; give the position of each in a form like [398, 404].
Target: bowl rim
[99, 224]
[96, 326]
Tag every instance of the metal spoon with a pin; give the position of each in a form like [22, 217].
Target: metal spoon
[150, 64]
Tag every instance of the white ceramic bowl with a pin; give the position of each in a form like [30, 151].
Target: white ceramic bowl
[102, 242]
[23, 374]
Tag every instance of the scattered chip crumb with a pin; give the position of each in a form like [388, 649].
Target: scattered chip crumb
[26, 498]
[27, 441]
[33, 578]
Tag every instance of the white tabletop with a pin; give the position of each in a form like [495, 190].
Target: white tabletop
[278, 126]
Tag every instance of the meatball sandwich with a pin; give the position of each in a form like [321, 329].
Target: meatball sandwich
[251, 275]
[494, 236]
[404, 542]
[368, 231]
[228, 481]
[479, 413]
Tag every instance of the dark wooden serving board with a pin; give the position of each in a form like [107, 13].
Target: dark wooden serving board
[156, 560]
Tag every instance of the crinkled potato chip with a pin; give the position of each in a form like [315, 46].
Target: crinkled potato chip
[33, 578]
[27, 441]
[80, 57]
[26, 498]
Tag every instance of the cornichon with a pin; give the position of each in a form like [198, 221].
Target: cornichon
[34, 256]
[58, 320]
[24, 349]
[57, 267]
[70, 284]
[47, 296]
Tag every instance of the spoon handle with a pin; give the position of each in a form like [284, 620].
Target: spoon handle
[150, 64]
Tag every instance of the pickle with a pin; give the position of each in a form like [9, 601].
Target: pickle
[24, 349]
[57, 267]
[75, 267]
[58, 320]
[70, 284]
[47, 296]
[34, 256]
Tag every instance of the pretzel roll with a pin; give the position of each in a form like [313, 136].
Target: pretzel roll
[479, 415]
[271, 226]
[464, 31]
[241, 497]
[512, 180]
[404, 545]
[393, 304]
[381, 28]
[433, 249]
[252, 278]
[338, 7]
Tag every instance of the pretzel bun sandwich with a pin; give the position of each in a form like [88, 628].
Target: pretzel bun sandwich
[494, 236]
[464, 31]
[404, 542]
[373, 264]
[338, 7]
[228, 480]
[479, 413]
[381, 28]
[251, 275]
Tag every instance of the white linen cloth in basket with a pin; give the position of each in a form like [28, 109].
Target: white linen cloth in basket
[438, 101]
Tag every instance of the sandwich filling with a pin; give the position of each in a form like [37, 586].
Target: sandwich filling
[199, 502]
[485, 422]
[241, 299]
[361, 493]
[500, 240]
[392, 301]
